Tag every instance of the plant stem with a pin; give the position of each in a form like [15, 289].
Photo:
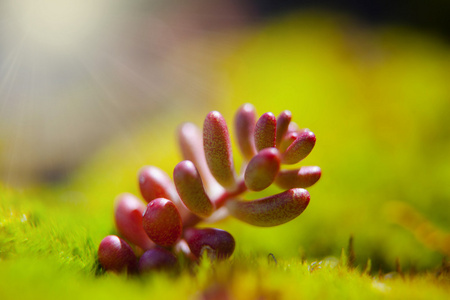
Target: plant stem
[192, 220]
[222, 199]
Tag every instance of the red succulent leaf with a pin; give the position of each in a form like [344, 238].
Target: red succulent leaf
[244, 123]
[298, 178]
[114, 254]
[128, 218]
[287, 140]
[262, 169]
[218, 153]
[270, 211]
[190, 188]
[162, 222]
[300, 148]
[265, 131]
[155, 183]
[283, 121]
[190, 140]
[219, 243]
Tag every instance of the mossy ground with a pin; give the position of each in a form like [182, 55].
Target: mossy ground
[48, 251]
[378, 102]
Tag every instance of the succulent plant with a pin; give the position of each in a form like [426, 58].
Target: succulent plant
[206, 186]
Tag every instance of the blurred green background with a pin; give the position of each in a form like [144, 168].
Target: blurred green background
[377, 98]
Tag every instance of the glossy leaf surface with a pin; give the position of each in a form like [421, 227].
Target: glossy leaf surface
[265, 131]
[262, 169]
[114, 254]
[190, 140]
[128, 218]
[218, 153]
[283, 121]
[300, 147]
[298, 178]
[219, 243]
[162, 222]
[155, 183]
[190, 188]
[270, 211]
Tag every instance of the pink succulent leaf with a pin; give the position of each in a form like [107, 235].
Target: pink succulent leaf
[289, 137]
[218, 153]
[262, 169]
[300, 148]
[283, 121]
[219, 243]
[265, 131]
[293, 127]
[298, 178]
[157, 259]
[114, 254]
[190, 140]
[162, 222]
[244, 123]
[155, 183]
[190, 188]
[128, 212]
[270, 211]
[287, 140]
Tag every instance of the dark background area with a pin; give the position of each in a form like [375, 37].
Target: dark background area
[433, 16]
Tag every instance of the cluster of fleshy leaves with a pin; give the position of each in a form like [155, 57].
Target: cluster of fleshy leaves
[206, 187]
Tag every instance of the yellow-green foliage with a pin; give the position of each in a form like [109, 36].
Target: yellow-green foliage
[378, 102]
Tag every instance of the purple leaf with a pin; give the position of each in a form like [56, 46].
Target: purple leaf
[114, 254]
[128, 218]
[217, 145]
[244, 122]
[157, 258]
[265, 131]
[270, 211]
[283, 121]
[300, 148]
[190, 188]
[299, 178]
[162, 222]
[262, 169]
[219, 243]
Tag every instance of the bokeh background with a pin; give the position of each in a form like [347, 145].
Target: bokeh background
[91, 91]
